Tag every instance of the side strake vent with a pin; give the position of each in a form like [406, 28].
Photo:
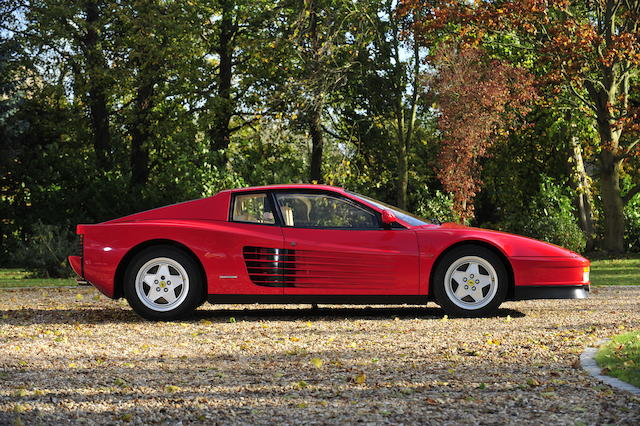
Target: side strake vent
[270, 267]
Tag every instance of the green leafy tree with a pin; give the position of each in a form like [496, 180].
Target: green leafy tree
[589, 48]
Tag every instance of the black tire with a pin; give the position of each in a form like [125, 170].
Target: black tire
[468, 306]
[184, 304]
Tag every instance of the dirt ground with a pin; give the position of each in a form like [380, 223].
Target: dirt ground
[73, 356]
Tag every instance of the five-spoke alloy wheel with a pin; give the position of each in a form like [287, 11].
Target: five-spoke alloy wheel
[470, 281]
[163, 283]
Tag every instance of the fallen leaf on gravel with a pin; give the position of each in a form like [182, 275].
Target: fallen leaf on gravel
[301, 384]
[445, 318]
[533, 382]
[79, 296]
[360, 378]
[232, 320]
[317, 362]
[205, 322]
[431, 401]
[21, 392]
[171, 388]
[21, 408]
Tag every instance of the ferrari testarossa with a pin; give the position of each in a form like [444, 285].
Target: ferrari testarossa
[314, 244]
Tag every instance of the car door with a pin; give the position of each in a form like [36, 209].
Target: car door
[335, 245]
[253, 245]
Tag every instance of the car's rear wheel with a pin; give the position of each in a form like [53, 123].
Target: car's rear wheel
[163, 283]
[470, 281]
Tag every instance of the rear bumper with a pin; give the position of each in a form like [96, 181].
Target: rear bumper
[76, 265]
[551, 292]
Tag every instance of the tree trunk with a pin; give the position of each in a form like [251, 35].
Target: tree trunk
[220, 133]
[97, 98]
[317, 144]
[404, 134]
[611, 203]
[141, 134]
[583, 190]
[315, 116]
[603, 96]
[403, 176]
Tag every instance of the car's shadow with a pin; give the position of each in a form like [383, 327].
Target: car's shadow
[333, 313]
[224, 314]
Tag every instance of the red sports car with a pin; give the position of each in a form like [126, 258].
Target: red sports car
[314, 244]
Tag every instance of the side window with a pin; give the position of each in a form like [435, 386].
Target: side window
[253, 208]
[324, 211]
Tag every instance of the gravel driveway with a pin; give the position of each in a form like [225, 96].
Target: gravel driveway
[70, 355]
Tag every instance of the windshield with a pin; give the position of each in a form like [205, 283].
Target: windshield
[407, 217]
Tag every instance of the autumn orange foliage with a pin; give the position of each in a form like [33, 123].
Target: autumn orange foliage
[479, 99]
[588, 51]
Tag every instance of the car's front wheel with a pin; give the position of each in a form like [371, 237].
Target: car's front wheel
[470, 281]
[163, 283]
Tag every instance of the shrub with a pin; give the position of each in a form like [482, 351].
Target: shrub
[44, 251]
[437, 206]
[549, 217]
[632, 226]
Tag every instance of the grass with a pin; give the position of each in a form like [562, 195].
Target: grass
[19, 278]
[620, 357]
[620, 271]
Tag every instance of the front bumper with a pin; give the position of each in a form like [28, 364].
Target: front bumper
[551, 292]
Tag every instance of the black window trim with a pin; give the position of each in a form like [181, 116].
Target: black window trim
[270, 200]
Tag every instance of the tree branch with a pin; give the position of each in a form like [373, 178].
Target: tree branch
[582, 98]
[334, 134]
[633, 191]
[628, 149]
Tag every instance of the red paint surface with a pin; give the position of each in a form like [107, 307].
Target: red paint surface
[327, 261]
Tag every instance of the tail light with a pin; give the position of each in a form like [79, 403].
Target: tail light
[79, 249]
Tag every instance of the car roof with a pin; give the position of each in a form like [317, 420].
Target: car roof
[290, 186]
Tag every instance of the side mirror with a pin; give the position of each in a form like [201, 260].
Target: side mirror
[388, 218]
